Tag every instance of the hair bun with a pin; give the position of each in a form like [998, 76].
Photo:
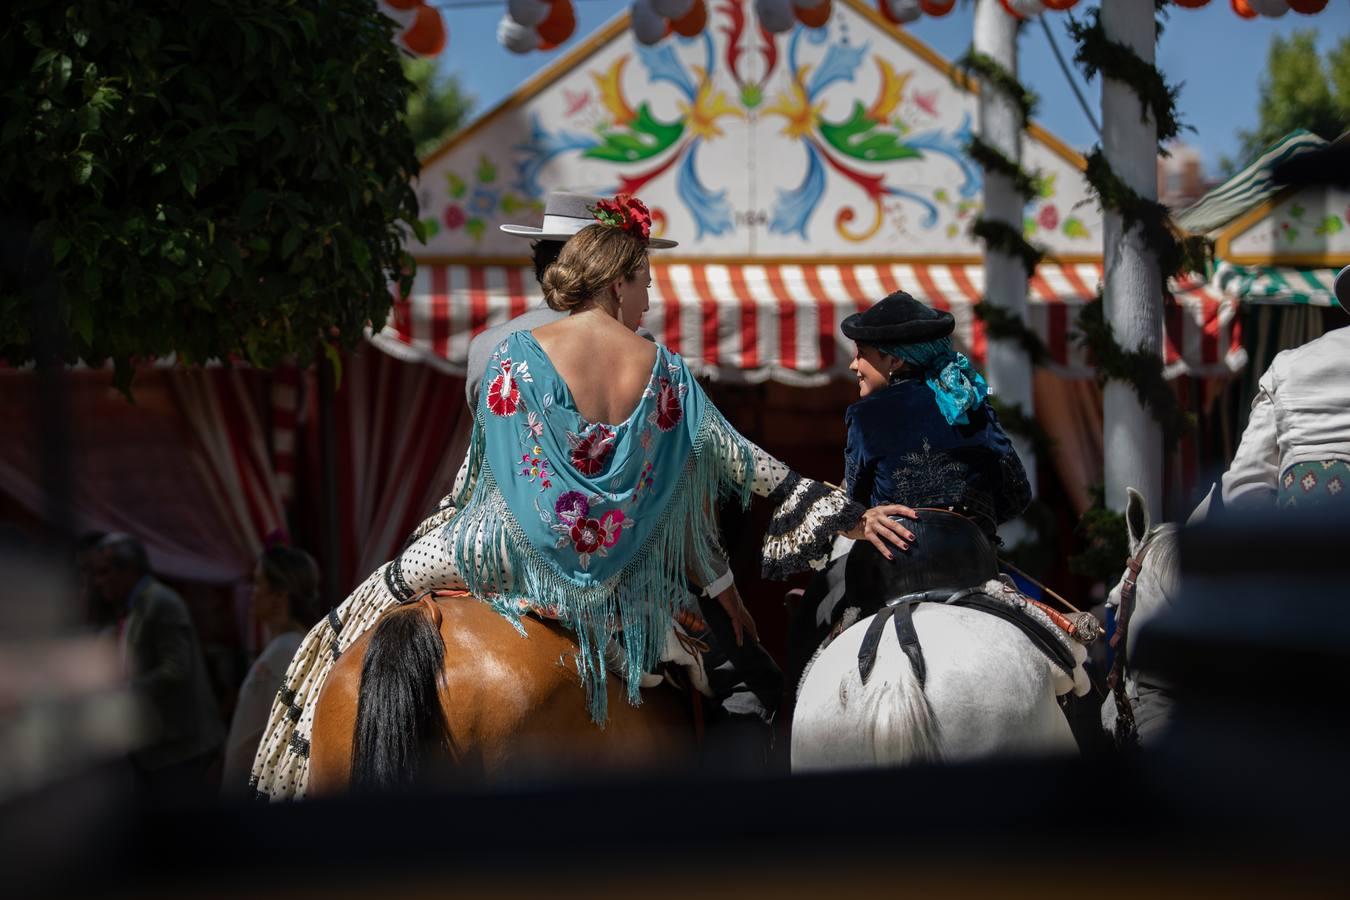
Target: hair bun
[564, 287]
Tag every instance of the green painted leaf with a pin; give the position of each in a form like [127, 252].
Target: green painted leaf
[474, 228]
[1075, 228]
[455, 184]
[751, 96]
[487, 172]
[426, 228]
[1297, 211]
[1291, 234]
[1330, 225]
[1029, 227]
[1045, 186]
[861, 138]
[644, 138]
[511, 204]
[940, 195]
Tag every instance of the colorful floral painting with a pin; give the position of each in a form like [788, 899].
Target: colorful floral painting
[474, 202]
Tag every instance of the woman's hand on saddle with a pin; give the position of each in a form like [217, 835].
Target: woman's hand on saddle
[879, 528]
[741, 620]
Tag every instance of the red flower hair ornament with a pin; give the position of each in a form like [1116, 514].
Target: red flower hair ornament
[627, 212]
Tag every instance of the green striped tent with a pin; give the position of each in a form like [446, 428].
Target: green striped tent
[1276, 285]
[1247, 188]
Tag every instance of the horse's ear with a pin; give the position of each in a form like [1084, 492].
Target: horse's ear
[1136, 518]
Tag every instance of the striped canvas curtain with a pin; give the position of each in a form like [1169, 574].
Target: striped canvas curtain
[401, 432]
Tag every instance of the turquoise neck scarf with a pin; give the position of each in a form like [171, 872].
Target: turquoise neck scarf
[598, 523]
[955, 384]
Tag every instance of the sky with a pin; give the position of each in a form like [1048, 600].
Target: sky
[1216, 56]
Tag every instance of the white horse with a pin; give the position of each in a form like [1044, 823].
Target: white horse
[1154, 571]
[988, 691]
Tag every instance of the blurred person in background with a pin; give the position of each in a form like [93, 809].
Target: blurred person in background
[1295, 451]
[163, 662]
[285, 601]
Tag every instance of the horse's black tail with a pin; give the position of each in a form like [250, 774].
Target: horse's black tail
[399, 719]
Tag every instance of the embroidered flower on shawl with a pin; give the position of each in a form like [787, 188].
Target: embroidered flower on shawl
[503, 396]
[590, 452]
[571, 506]
[536, 467]
[595, 536]
[668, 412]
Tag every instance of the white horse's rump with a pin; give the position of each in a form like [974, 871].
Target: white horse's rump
[989, 691]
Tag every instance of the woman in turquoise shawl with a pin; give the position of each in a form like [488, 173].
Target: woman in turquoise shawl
[589, 493]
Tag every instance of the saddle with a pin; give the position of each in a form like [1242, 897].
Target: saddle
[950, 561]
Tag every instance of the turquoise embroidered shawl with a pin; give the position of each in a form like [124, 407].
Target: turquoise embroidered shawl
[599, 523]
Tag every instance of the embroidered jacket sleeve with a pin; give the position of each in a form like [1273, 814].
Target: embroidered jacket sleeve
[1014, 488]
[808, 514]
[859, 470]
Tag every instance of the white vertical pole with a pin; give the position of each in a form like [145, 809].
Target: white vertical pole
[1007, 367]
[1132, 440]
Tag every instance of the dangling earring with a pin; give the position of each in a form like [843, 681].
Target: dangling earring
[894, 375]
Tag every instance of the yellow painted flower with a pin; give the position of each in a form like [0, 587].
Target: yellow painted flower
[709, 106]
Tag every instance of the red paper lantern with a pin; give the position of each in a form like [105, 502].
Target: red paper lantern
[1191, 4]
[693, 22]
[1242, 9]
[1308, 7]
[936, 8]
[815, 17]
[558, 25]
[1060, 5]
[402, 4]
[1007, 8]
[426, 37]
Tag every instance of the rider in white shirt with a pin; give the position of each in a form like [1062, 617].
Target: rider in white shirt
[1296, 448]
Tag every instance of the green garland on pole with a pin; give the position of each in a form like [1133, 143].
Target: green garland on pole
[1028, 184]
[1097, 53]
[1010, 240]
[1140, 369]
[1001, 79]
[1107, 536]
[1001, 325]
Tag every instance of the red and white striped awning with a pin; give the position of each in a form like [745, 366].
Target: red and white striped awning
[753, 322]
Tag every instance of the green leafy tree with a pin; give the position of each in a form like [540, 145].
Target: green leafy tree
[1296, 92]
[216, 179]
[436, 108]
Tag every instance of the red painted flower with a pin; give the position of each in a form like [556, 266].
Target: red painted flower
[453, 217]
[587, 536]
[590, 452]
[668, 410]
[503, 396]
[1049, 217]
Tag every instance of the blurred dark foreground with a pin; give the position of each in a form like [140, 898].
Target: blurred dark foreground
[1246, 796]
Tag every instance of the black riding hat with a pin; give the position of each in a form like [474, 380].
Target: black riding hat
[898, 319]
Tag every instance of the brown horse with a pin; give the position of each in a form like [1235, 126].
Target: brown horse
[449, 681]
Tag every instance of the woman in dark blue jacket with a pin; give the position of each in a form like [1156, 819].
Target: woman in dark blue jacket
[922, 434]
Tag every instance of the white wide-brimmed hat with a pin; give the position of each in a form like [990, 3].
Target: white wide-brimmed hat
[1341, 288]
[567, 213]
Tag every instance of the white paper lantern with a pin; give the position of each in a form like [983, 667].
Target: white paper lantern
[904, 11]
[528, 12]
[674, 10]
[516, 37]
[775, 15]
[1027, 9]
[649, 26]
[1271, 9]
[807, 4]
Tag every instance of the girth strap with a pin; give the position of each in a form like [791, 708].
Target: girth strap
[901, 611]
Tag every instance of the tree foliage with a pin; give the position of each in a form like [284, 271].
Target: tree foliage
[1301, 90]
[436, 108]
[213, 179]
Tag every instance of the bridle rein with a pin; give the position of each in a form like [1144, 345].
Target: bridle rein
[1126, 730]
